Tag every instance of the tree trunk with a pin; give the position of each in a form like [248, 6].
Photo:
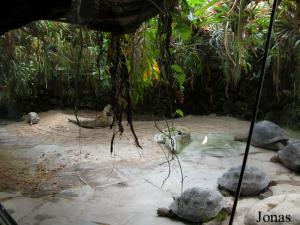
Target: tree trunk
[297, 15]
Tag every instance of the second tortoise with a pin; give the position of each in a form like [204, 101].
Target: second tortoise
[255, 182]
[289, 156]
[266, 134]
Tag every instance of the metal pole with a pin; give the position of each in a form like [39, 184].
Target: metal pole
[254, 115]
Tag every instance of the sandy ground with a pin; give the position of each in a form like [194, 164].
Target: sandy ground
[57, 173]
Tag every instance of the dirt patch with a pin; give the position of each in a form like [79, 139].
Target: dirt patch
[54, 127]
[16, 174]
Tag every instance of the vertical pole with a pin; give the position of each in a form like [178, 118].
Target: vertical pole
[254, 115]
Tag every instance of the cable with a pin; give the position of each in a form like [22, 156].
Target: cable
[254, 115]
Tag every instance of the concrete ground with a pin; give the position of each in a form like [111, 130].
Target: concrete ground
[55, 173]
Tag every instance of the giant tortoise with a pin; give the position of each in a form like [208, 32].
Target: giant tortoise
[266, 135]
[254, 182]
[289, 156]
[196, 204]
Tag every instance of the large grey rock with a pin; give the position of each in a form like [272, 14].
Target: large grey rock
[279, 210]
[255, 181]
[198, 204]
[290, 156]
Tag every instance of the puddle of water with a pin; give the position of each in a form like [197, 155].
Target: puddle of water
[218, 145]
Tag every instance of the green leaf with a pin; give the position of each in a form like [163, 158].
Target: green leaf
[179, 74]
[183, 30]
[180, 78]
[177, 68]
[185, 6]
[200, 11]
[179, 112]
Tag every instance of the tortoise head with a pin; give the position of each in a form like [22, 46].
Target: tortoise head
[107, 111]
[273, 183]
[275, 159]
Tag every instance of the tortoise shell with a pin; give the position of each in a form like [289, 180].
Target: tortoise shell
[255, 181]
[265, 133]
[198, 204]
[290, 156]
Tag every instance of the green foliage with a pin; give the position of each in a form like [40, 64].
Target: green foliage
[214, 47]
[45, 54]
[179, 74]
[221, 215]
[179, 112]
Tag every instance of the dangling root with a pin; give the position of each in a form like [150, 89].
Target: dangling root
[121, 90]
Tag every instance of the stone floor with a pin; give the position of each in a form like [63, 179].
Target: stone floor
[92, 187]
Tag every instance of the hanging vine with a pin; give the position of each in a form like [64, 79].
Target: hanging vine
[121, 88]
[78, 63]
[169, 88]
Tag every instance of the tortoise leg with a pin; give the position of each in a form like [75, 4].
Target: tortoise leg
[265, 194]
[165, 212]
[275, 159]
[224, 192]
[275, 146]
[240, 137]
[273, 183]
[279, 145]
